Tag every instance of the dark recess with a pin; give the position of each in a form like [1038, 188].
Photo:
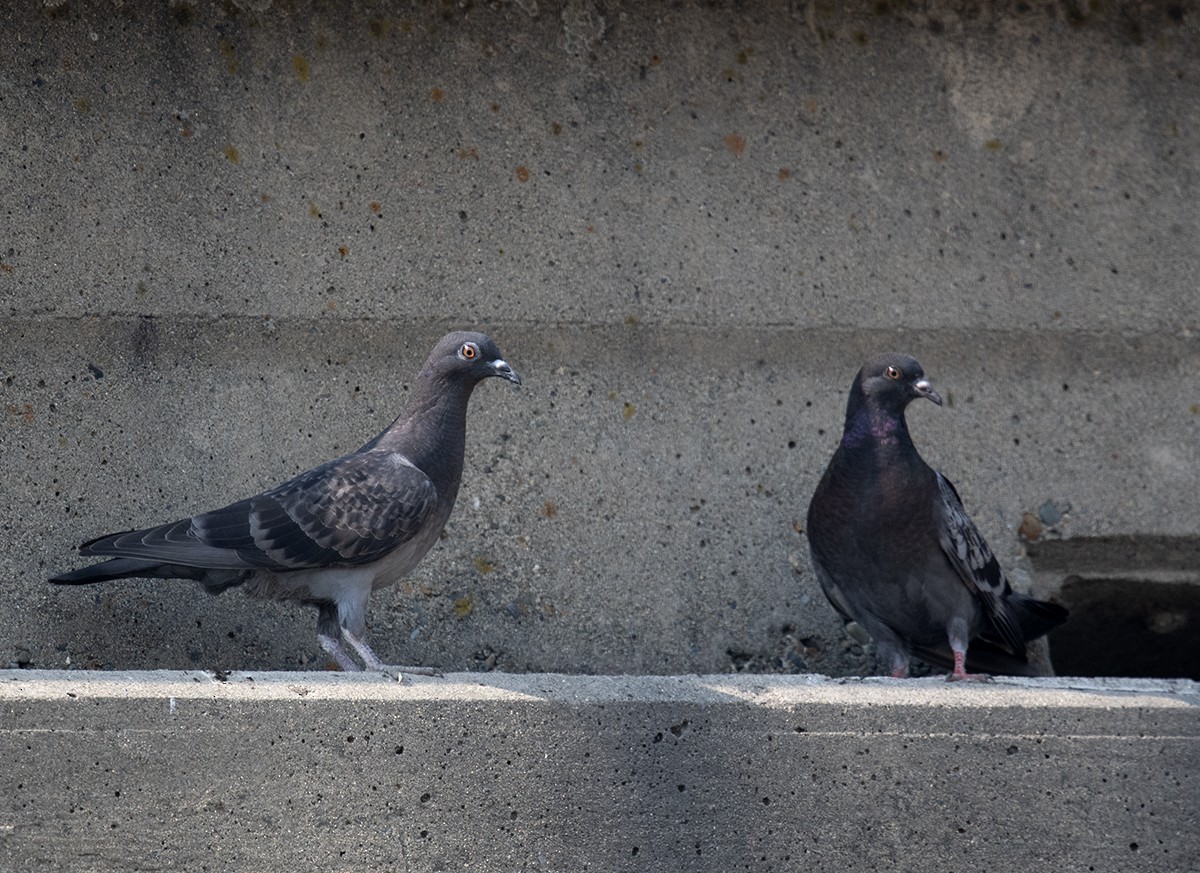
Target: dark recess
[1128, 627]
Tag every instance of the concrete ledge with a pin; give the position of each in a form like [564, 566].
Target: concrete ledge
[491, 772]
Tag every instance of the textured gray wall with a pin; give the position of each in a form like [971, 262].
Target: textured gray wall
[229, 236]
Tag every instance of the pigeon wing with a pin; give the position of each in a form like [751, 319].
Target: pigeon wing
[976, 565]
[364, 507]
[350, 511]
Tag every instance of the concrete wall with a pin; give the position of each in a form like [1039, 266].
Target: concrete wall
[230, 233]
[316, 771]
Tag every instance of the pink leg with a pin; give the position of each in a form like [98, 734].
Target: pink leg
[958, 637]
[960, 669]
[899, 661]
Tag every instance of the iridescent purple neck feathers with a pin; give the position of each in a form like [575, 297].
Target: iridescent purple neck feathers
[866, 426]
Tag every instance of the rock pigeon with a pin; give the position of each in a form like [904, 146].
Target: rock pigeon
[895, 551]
[331, 536]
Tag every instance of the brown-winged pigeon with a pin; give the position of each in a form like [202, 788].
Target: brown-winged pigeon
[332, 535]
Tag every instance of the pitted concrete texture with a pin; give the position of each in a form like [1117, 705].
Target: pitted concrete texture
[286, 771]
[231, 232]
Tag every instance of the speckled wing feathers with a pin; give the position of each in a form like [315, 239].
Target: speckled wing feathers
[361, 508]
[973, 559]
[349, 511]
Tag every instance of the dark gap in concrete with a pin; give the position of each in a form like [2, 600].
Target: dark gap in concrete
[1137, 556]
[1128, 627]
[1134, 601]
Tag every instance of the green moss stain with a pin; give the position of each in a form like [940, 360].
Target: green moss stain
[230, 55]
[183, 14]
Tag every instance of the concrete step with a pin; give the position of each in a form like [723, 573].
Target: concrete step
[538, 772]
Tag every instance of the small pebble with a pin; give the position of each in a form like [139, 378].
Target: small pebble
[857, 632]
[1031, 527]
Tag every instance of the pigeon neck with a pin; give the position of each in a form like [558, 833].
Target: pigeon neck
[867, 426]
[432, 430]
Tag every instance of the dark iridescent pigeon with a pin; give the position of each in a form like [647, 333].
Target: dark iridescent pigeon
[331, 536]
[894, 550]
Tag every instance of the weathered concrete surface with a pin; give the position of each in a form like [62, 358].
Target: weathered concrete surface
[121, 771]
[229, 236]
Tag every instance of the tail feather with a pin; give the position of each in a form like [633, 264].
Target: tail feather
[117, 568]
[1036, 617]
[214, 581]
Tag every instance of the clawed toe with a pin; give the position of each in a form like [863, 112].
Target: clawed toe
[397, 673]
[968, 677]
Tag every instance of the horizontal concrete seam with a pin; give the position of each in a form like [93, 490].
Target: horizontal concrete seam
[408, 324]
[794, 735]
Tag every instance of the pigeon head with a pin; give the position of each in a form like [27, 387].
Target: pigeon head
[468, 358]
[890, 381]
[882, 390]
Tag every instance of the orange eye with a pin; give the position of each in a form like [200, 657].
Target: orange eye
[892, 373]
[468, 351]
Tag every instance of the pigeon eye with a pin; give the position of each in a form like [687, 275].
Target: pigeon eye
[468, 351]
[892, 373]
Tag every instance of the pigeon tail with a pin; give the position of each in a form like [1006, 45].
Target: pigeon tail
[214, 581]
[117, 568]
[1036, 617]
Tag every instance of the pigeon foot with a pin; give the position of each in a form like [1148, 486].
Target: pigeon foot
[371, 661]
[960, 673]
[334, 649]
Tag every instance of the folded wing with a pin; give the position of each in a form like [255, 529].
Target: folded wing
[350, 511]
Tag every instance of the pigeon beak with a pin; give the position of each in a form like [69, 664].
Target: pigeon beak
[501, 368]
[924, 389]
